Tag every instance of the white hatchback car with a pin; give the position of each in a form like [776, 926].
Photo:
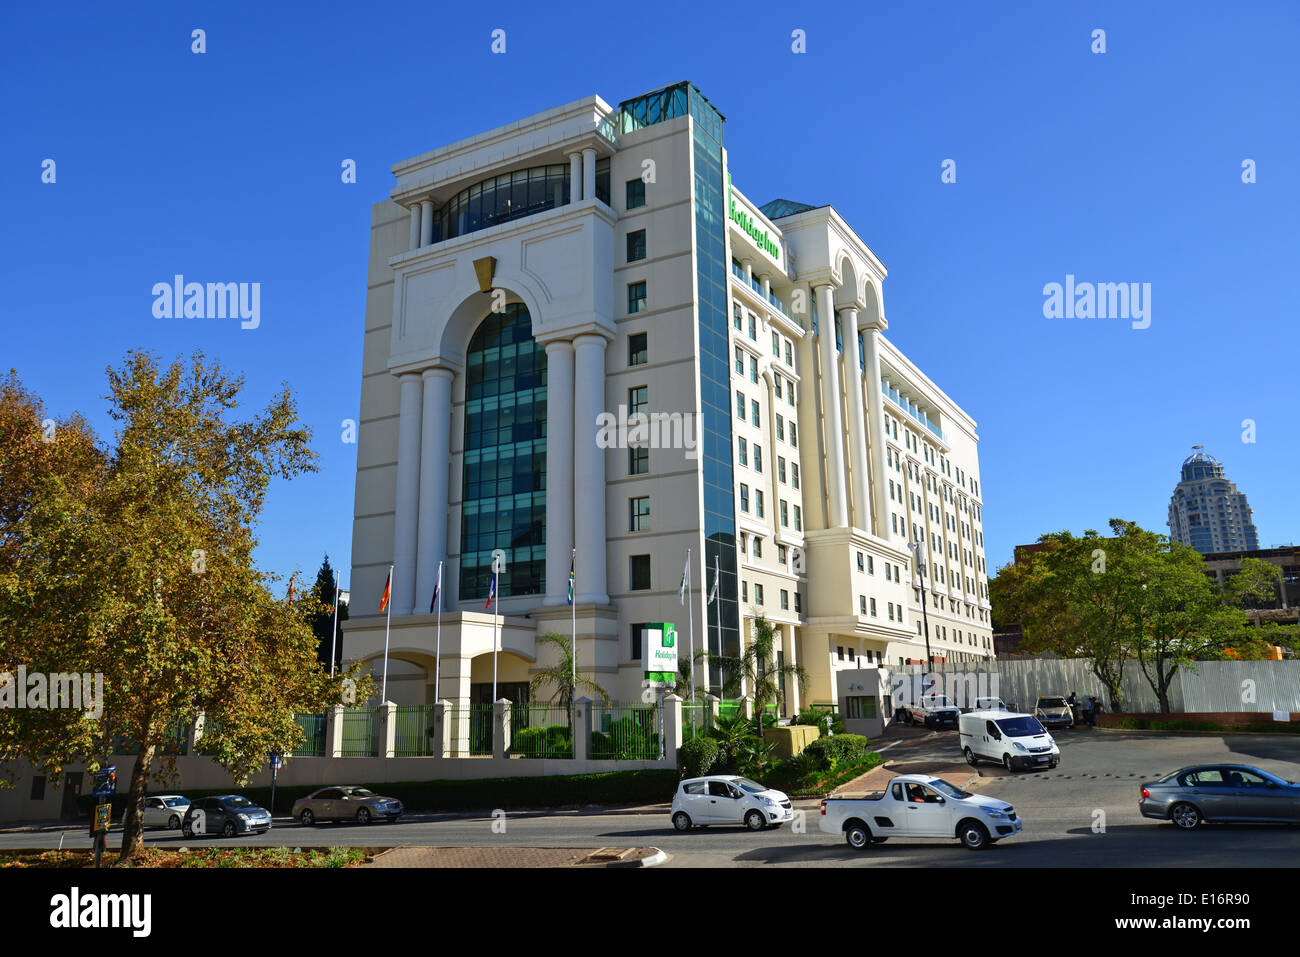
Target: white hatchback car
[165, 810]
[729, 799]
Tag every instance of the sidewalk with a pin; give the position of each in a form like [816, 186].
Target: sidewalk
[516, 857]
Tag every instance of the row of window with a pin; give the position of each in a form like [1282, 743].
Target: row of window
[758, 597]
[780, 344]
[786, 429]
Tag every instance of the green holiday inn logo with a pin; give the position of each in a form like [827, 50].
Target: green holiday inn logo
[742, 218]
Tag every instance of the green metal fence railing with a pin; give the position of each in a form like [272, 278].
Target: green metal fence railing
[470, 730]
[540, 731]
[414, 735]
[360, 732]
[312, 744]
[625, 733]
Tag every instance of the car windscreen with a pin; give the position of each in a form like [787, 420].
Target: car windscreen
[753, 787]
[1051, 702]
[237, 801]
[938, 701]
[1020, 727]
[360, 793]
[951, 790]
[175, 802]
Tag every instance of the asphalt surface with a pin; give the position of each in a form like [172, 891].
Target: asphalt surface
[1082, 814]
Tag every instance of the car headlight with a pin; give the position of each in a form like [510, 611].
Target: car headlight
[768, 801]
[994, 812]
[1018, 746]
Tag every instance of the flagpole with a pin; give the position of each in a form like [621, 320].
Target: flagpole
[335, 632]
[496, 608]
[573, 610]
[383, 693]
[437, 645]
[718, 585]
[690, 611]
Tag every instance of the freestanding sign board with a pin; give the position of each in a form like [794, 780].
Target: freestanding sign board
[660, 654]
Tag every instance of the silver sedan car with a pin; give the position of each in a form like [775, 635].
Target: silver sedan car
[1221, 793]
[346, 803]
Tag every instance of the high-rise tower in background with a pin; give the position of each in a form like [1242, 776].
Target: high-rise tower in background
[1207, 512]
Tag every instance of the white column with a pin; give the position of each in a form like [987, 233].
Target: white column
[857, 423]
[426, 222]
[408, 494]
[589, 469]
[588, 173]
[559, 469]
[415, 225]
[836, 510]
[435, 456]
[575, 177]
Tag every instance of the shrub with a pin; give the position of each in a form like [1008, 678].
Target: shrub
[829, 753]
[695, 758]
[549, 742]
[817, 718]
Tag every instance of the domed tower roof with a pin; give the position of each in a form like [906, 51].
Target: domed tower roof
[1201, 464]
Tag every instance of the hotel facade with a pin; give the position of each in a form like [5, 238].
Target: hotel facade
[590, 264]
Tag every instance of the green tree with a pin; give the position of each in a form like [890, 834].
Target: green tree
[135, 562]
[559, 676]
[759, 668]
[322, 622]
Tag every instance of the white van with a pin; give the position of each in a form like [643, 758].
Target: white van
[1015, 741]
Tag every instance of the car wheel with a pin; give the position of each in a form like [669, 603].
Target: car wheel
[970, 758]
[1006, 763]
[307, 818]
[228, 829]
[1185, 816]
[363, 815]
[1053, 765]
[173, 822]
[754, 820]
[857, 836]
[682, 821]
[974, 835]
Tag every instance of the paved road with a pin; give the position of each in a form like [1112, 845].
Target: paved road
[1099, 772]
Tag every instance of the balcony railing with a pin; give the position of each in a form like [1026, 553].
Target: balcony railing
[913, 412]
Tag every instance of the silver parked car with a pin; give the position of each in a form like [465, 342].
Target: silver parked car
[165, 810]
[347, 803]
[228, 815]
[1220, 793]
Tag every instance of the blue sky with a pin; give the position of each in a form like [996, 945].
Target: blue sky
[1115, 167]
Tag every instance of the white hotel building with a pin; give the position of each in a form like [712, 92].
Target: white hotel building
[528, 279]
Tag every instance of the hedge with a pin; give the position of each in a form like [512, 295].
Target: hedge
[833, 752]
[695, 758]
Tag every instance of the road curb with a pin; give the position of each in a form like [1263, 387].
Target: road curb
[658, 857]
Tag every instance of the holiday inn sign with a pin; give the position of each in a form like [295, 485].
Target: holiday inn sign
[744, 217]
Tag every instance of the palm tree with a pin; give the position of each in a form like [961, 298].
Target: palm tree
[758, 667]
[560, 675]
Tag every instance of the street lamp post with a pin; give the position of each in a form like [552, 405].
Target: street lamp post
[918, 567]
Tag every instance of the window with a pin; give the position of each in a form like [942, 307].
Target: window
[740, 406]
[636, 245]
[38, 786]
[639, 573]
[637, 352]
[860, 706]
[785, 516]
[638, 460]
[636, 297]
[891, 611]
[639, 518]
[744, 497]
[862, 604]
[744, 591]
[871, 565]
[873, 608]
[798, 603]
[753, 369]
[758, 547]
[635, 193]
[780, 468]
[758, 594]
[740, 361]
[794, 466]
[794, 438]
[785, 600]
[798, 522]
[735, 314]
[776, 345]
[776, 385]
[780, 554]
[758, 503]
[754, 416]
[839, 652]
[638, 399]
[789, 359]
[753, 328]
[742, 451]
[635, 649]
[862, 562]
[758, 458]
[780, 427]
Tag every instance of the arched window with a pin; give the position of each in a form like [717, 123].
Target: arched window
[504, 498]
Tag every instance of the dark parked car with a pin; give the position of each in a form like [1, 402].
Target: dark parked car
[228, 815]
[1220, 793]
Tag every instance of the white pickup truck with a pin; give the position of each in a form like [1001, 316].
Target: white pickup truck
[933, 711]
[919, 805]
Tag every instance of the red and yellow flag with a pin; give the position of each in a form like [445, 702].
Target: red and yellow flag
[291, 588]
[388, 587]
